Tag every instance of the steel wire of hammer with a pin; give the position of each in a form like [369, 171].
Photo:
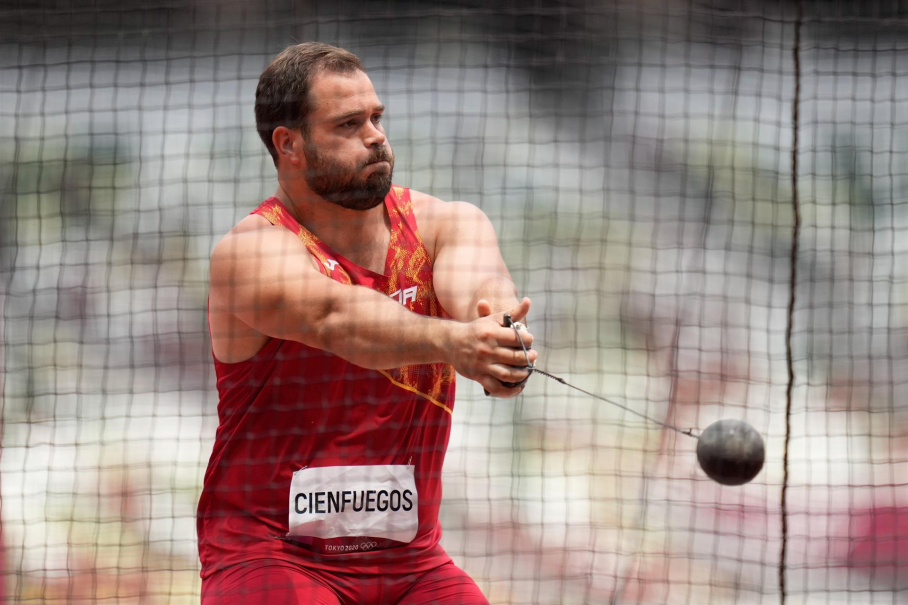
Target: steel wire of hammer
[531, 368]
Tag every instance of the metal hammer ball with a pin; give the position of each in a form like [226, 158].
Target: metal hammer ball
[731, 452]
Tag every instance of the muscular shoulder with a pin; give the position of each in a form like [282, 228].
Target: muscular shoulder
[439, 220]
[253, 239]
[250, 222]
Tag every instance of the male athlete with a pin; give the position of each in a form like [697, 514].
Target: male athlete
[339, 311]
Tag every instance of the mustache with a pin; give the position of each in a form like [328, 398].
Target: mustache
[382, 154]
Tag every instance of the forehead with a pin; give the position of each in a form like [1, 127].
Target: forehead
[334, 94]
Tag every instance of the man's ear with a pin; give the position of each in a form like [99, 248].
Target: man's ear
[288, 146]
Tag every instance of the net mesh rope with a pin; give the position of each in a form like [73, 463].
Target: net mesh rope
[636, 160]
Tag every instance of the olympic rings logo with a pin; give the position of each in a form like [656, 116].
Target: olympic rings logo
[368, 545]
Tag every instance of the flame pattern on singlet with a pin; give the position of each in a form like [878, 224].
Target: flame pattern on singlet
[407, 265]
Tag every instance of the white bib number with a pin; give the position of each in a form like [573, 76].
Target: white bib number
[379, 501]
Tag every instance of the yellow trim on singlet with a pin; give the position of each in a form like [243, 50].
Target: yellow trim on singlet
[412, 390]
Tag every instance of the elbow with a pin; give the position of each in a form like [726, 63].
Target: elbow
[342, 329]
[289, 317]
[328, 326]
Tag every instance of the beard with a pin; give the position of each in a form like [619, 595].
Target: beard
[343, 185]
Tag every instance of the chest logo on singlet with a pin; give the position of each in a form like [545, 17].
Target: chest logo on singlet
[379, 501]
[330, 263]
[404, 296]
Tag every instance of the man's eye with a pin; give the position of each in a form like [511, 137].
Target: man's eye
[349, 123]
[376, 118]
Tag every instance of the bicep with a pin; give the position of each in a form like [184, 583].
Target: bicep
[467, 259]
[267, 280]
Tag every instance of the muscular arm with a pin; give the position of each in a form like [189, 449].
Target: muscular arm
[470, 277]
[265, 281]
[468, 265]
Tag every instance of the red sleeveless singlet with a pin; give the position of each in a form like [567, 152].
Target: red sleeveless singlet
[293, 407]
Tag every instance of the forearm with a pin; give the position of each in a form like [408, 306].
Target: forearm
[498, 290]
[376, 332]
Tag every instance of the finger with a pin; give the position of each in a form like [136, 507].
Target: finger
[510, 338]
[506, 373]
[519, 312]
[525, 336]
[520, 357]
[493, 388]
[511, 356]
[509, 393]
[483, 308]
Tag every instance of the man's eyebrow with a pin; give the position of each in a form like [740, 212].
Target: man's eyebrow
[356, 112]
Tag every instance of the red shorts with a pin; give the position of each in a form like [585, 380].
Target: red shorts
[280, 582]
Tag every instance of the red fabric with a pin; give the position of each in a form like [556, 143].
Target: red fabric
[293, 406]
[267, 582]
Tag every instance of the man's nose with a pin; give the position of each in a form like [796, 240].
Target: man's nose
[374, 136]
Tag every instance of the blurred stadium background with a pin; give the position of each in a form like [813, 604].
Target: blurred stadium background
[636, 159]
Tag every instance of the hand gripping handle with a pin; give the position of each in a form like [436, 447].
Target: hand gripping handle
[509, 323]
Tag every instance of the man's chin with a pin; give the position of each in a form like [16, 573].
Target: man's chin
[361, 201]
[368, 194]
[373, 195]
[361, 205]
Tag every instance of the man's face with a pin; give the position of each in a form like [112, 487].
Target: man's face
[348, 158]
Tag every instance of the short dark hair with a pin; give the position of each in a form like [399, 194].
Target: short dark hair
[282, 96]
